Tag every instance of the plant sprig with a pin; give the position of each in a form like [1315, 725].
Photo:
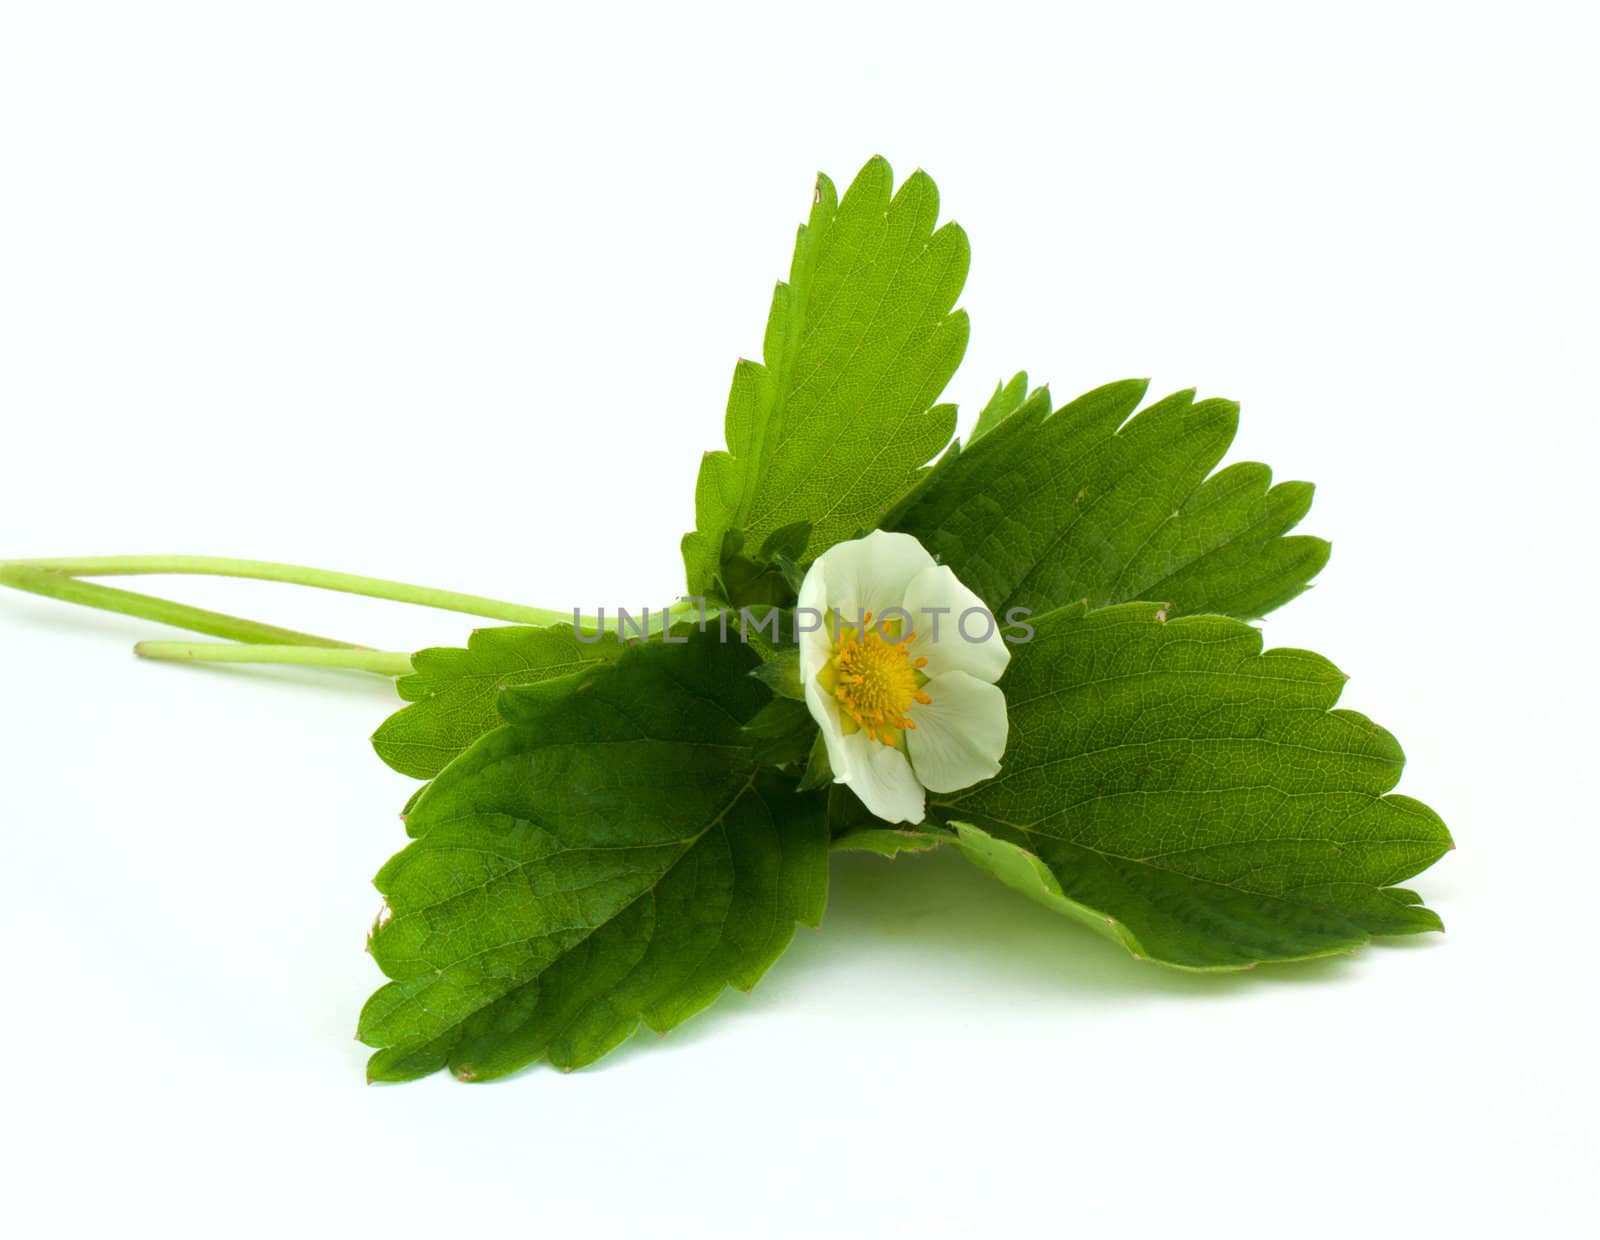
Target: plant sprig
[609, 831]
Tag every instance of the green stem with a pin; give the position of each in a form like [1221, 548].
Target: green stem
[36, 580]
[294, 574]
[383, 662]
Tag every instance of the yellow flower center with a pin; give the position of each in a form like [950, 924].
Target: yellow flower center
[874, 679]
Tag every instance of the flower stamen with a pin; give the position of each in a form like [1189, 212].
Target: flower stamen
[875, 681]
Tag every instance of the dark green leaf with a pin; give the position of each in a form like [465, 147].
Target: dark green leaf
[781, 672]
[782, 733]
[612, 854]
[744, 581]
[818, 771]
[788, 542]
[1201, 794]
[1085, 505]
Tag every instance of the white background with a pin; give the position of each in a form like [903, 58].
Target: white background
[407, 291]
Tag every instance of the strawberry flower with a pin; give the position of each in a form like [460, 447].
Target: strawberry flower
[899, 662]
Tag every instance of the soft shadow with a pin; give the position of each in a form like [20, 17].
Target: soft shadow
[936, 912]
[936, 905]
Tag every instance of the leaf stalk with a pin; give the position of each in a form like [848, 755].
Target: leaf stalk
[381, 662]
[299, 575]
[27, 576]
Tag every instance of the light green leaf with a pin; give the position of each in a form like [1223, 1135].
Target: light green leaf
[889, 841]
[837, 421]
[612, 854]
[1204, 796]
[1022, 871]
[1086, 505]
[1007, 399]
[453, 691]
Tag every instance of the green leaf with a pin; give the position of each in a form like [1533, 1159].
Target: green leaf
[818, 772]
[781, 672]
[782, 733]
[889, 841]
[1007, 399]
[612, 854]
[1086, 505]
[837, 421]
[788, 542]
[765, 578]
[1204, 796]
[1023, 871]
[453, 691]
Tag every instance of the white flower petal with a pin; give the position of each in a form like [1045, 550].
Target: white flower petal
[960, 735]
[935, 595]
[882, 778]
[871, 573]
[816, 646]
[825, 710]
